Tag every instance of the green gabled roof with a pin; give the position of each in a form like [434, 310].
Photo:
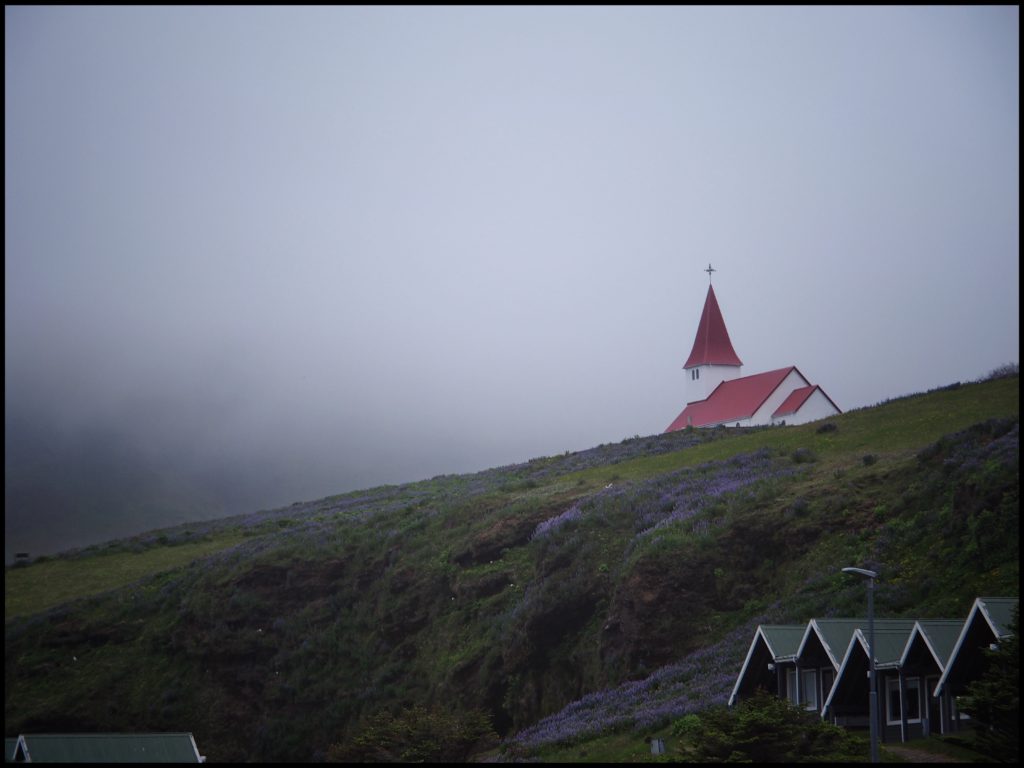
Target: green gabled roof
[941, 636]
[835, 634]
[889, 644]
[9, 746]
[109, 748]
[999, 611]
[783, 639]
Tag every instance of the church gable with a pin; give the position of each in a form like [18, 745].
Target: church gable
[805, 404]
[792, 403]
[793, 380]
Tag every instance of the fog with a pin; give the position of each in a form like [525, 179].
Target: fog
[261, 255]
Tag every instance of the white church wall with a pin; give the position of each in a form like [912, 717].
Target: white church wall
[815, 407]
[709, 377]
[763, 415]
[739, 423]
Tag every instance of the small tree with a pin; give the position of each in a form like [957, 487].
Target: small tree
[417, 735]
[993, 700]
[763, 729]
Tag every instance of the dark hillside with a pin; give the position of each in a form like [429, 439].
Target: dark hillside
[632, 570]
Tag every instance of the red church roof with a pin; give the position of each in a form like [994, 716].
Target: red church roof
[734, 400]
[796, 398]
[712, 345]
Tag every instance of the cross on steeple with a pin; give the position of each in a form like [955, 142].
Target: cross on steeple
[709, 270]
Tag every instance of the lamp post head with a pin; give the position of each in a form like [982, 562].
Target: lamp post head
[861, 572]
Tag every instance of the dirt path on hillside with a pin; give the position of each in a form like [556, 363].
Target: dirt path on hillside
[918, 756]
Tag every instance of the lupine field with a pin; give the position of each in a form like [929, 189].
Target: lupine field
[559, 600]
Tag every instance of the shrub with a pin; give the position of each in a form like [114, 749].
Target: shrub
[418, 734]
[827, 427]
[763, 729]
[799, 507]
[869, 459]
[803, 456]
[1003, 372]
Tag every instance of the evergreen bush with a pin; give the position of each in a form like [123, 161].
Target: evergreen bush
[763, 729]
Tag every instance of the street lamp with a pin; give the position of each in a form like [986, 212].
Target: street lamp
[873, 696]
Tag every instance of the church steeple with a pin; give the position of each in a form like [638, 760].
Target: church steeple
[712, 345]
[712, 359]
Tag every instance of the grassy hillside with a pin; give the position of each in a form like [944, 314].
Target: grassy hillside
[623, 581]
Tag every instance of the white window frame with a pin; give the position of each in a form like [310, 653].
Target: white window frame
[913, 688]
[809, 676]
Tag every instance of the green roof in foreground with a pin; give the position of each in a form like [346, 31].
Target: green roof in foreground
[783, 639]
[1000, 611]
[109, 748]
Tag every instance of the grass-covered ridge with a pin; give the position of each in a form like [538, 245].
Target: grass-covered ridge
[632, 572]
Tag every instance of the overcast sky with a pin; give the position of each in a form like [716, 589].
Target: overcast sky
[378, 244]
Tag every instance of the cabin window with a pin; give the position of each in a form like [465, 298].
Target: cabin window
[809, 689]
[912, 700]
[791, 685]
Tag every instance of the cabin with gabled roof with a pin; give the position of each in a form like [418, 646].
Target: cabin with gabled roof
[821, 654]
[920, 667]
[771, 652]
[902, 691]
[925, 657]
[988, 622]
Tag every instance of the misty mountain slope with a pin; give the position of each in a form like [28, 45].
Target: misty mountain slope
[629, 573]
[66, 488]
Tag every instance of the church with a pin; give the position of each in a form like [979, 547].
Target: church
[718, 394]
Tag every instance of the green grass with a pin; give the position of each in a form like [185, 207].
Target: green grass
[34, 588]
[957, 748]
[625, 746]
[896, 427]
